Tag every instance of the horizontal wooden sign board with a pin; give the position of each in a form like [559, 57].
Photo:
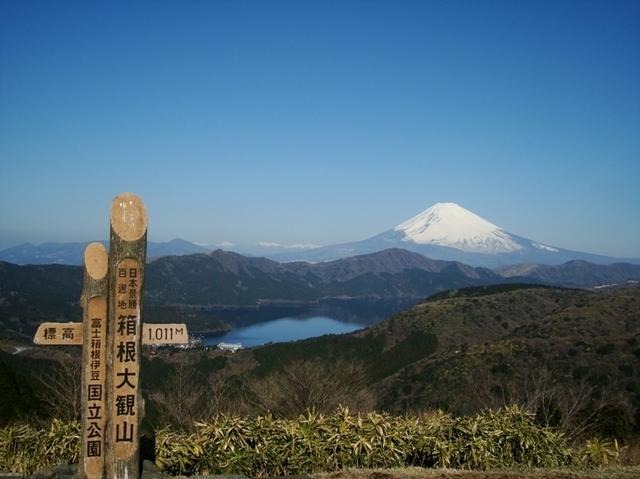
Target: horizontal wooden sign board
[170, 333]
[57, 334]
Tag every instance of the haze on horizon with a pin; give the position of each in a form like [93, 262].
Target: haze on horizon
[308, 122]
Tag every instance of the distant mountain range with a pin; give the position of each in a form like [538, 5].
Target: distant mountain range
[575, 273]
[450, 232]
[73, 253]
[445, 231]
[30, 294]
[229, 278]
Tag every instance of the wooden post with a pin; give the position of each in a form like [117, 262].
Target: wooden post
[94, 361]
[111, 336]
[127, 256]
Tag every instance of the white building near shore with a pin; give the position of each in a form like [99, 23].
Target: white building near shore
[233, 347]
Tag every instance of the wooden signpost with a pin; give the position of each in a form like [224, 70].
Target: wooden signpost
[112, 335]
[70, 334]
[94, 363]
[127, 257]
[58, 334]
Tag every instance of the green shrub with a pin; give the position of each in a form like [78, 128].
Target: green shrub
[24, 449]
[598, 453]
[265, 446]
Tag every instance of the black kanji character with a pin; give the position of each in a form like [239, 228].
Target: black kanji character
[94, 411]
[94, 392]
[126, 374]
[126, 351]
[125, 404]
[94, 430]
[94, 448]
[126, 324]
[125, 434]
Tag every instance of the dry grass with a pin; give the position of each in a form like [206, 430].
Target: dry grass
[420, 473]
[630, 455]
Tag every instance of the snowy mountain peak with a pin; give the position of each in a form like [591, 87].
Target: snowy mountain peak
[451, 225]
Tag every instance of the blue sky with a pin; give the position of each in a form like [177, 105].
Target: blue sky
[321, 122]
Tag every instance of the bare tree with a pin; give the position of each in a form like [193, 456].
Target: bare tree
[187, 396]
[570, 407]
[59, 390]
[179, 398]
[303, 385]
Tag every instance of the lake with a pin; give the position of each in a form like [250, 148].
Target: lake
[282, 330]
[275, 325]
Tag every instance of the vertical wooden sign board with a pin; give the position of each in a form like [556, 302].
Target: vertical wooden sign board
[127, 257]
[111, 335]
[94, 361]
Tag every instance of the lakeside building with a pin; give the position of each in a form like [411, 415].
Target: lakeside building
[233, 347]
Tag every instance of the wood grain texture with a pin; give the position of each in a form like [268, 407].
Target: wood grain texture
[127, 257]
[94, 362]
[96, 261]
[153, 334]
[58, 334]
[128, 217]
[164, 333]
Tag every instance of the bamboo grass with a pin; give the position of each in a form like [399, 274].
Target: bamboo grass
[313, 443]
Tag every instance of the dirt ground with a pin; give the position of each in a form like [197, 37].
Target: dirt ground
[417, 473]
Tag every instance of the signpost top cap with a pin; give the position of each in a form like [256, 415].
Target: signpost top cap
[128, 217]
[96, 260]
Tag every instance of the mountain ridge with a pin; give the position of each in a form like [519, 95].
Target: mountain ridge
[449, 232]
[72, 253]
[578, 273]
[503, 345]
[238, 278]
[30, 294]
[444, 231]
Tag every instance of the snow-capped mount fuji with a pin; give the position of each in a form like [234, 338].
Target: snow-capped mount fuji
[451, 225]
[447, 231]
